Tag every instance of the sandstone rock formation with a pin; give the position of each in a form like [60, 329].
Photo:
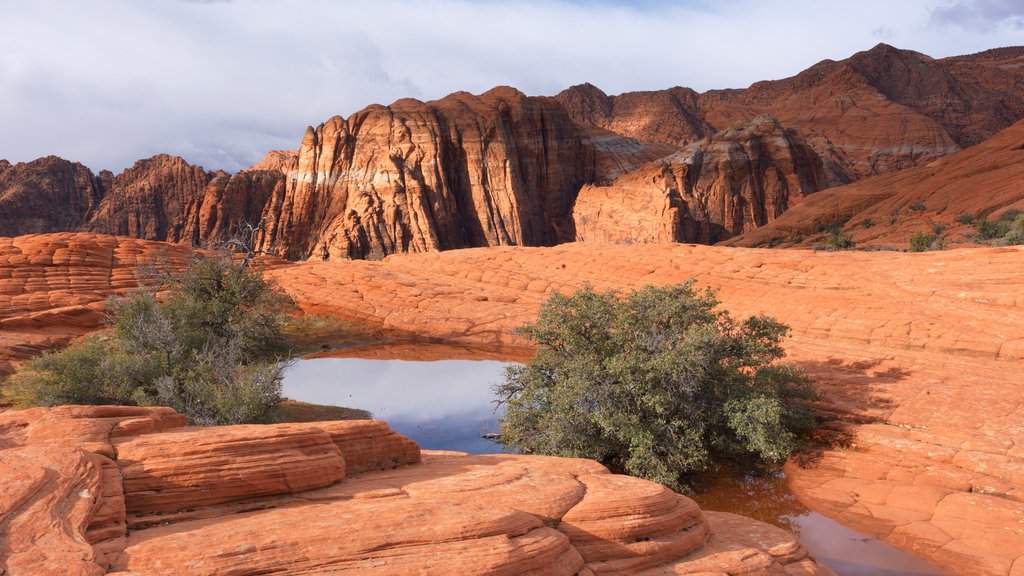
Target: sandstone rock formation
[160, 198]
[46, 195]
[918, 357]
[734, 181]
[886, 210]
[53, 287]
[125, 490]
[505, 169]
[880, 110]
[490, 170]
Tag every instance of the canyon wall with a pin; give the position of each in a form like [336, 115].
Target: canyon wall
[497, 169]
[503, 168]
[878, 111]
[737, 180]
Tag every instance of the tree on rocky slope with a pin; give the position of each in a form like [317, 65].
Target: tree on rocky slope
[211, 348]
[658, 383]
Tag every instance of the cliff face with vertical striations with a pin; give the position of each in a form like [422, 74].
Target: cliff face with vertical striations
[503, 168]
[736, 180]
[490, 170]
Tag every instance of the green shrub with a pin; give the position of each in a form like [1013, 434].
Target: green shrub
[657, 383]
[868, 223]
[987, 229]
[924, 241]
[211, 350]
[1015, 235]
[965, 218]
[841, 241]
[918, 207]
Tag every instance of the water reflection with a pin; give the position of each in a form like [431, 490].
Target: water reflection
[442, 405]
[766, 497]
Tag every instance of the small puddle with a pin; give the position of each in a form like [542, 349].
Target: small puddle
[446, 404]
[767, 498]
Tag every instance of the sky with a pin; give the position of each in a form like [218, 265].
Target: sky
[220, 82]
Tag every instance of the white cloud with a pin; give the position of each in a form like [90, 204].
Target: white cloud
[109, 81]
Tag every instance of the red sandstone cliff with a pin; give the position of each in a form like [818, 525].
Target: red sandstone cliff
[734, 181]
[46, 195]
[880, 110]
[505, 169]
[490, 170]
[886, 210]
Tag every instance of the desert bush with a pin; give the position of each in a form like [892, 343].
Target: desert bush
[996, 229]
[1015, 234]
[868, 223]
[918, 207]
[657, 383]
[841, 241]
[925, 241]
[965, 218]
[211, 349]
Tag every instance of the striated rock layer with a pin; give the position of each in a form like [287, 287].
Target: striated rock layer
[490, 170]
[918, 357]
[880, 110]
[53, 287]
[737, 180]
[285, 499]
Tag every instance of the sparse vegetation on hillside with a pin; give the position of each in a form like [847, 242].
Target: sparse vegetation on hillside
[211, 349]
[658, 383]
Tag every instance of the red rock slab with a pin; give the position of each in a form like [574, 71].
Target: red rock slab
[172, 471]
[739, 545]
[389, 536]
[369, 444]
[624, 524]
[48, 499]
[493, 514]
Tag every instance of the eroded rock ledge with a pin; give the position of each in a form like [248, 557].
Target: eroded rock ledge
[91, 490]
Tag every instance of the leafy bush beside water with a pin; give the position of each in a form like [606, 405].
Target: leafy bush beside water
[657, 383]
[211, 350]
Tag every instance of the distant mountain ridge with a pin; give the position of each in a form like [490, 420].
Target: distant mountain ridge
[503, 168]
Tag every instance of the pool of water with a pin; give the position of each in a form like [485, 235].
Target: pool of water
[448, 405]
[441, 404]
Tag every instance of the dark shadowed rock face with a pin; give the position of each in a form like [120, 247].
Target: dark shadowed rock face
[45, 195]
[161, 198]
[734, 181]
[490, 170]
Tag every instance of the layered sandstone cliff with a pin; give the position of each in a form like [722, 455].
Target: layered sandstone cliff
[951, 193]
[160, 198]
[91, 490]
[737, 180]
[491, 170]
[878, 111]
